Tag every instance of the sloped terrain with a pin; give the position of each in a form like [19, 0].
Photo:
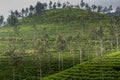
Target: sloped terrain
[106, 68]
[78, 29]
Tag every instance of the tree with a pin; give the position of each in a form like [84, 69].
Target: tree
[22, 12]
[110, 8]
[114, 32]
[100, 35]
[60, 45]
[105, 10]
[77, 6]
[99, 8]
[13, 21]
[64, 5]
[45, 40]
[45, 6]
[16, 13]
[94, 7]
[117, 12]
[26, 11]
[50, 5]
[71, 46]
[112, 35]
[68, 5]
[15, 58]
[38, 52]
[82, 3]
[86, 6]
[1, 19]
[94, 36]
[79, 43]
[39, 7]
[59, 4]
[31, 9]
[54, 5]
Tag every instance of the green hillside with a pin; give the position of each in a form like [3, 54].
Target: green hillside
[107, 68]
[55, 40]
[63, 16]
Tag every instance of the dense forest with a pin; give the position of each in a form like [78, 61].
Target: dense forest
[60, 41]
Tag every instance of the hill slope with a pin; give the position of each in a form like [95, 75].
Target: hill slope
[107, 68]
[76, 27]
[65, 15]
[67, 22]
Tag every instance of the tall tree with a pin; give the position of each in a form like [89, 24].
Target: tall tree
[99, 8]
[79, 43]
[46, 47]
[86, 6]
[110, 8]
[54, 5]
[22, 12]
[45, 6]
[112, 35]
[16, 13]
[1, 19]
[100, 35]
[72, 47]
[60, 45]
[13, 21]
[82, 3]
[117, 11]
[94, 7]
[64, 5]
[59, 4]
[31, 9]
[105, 9]
[39, 7]
[50, 5]
[116, 25]
[26, 12]
[38, 52]
[68, 4]
[93, 36]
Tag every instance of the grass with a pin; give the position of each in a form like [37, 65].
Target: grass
[108, 69]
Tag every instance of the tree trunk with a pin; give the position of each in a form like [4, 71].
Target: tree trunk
[101, 48]
[101, 58]
[59, 59]
[117, 42]
[111, 44]
[39, 70]
[96, 53]
[62, 61]
[13, 69]
[50, 60]
[73, 58]
[80, 54]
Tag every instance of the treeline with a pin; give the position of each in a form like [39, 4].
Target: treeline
[39, 8]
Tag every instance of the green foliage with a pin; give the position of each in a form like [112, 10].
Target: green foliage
[45, 28]
[12, 20]
[92, 70]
